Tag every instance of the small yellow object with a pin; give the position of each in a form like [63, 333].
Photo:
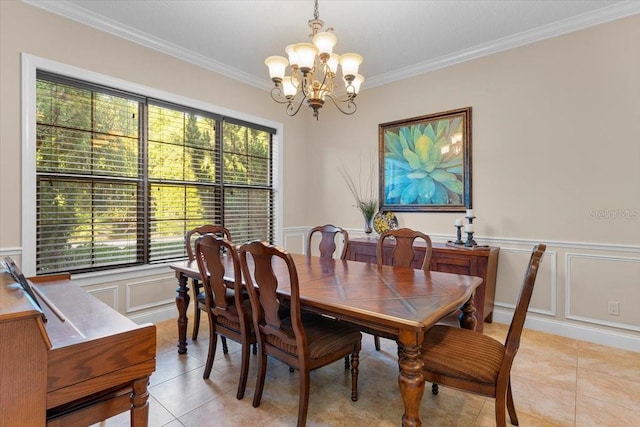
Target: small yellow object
[383, 221]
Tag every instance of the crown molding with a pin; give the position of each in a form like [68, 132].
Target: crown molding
[607, 14]
[99, 22]
[565, 26]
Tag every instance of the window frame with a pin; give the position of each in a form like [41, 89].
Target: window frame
[31, 63]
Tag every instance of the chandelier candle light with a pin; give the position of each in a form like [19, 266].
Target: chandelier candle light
[313, 70]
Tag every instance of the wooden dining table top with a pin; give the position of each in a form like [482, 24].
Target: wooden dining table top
[385, 297]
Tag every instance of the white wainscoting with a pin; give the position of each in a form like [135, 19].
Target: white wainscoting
[544, 298]
[143, 294]
[603, 278]
[106, 294]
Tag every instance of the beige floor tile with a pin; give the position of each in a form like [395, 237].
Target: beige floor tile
[534, 364]
[451, 405]
[186, 392]
[487, 419]
[542, 401]
[171, 364]
[549, 341]
[158, 416]
[227, 411]
[596, 413]
[174, 423]
[496, 330]
[612, 361]
[608, 388]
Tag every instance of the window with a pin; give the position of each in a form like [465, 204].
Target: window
[121, 177]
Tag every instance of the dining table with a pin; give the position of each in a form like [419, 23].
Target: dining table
[397, 303]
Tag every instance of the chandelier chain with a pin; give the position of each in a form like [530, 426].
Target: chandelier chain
[316, 11]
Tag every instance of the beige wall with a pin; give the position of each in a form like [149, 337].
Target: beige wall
[555, 142]
[555, 136]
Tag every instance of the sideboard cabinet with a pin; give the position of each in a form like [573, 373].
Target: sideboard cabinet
[472, 262]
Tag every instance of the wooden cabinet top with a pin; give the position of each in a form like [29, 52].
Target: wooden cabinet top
[480, 251]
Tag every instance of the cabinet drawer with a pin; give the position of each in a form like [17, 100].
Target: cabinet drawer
[455, 264]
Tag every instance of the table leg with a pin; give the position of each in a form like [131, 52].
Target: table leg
[468, 318]
[410, 379]
[182, 303]
[139, 416]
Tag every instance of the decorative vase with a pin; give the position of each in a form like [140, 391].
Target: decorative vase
[368, 229]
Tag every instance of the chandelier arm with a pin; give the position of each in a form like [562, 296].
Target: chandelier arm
[349, 97]
[351, 106]
[291, 110]
[305, 86]
[276, 95]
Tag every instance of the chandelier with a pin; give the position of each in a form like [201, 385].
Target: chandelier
[313, 73]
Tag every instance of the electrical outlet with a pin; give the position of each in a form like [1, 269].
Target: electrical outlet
[614, 308]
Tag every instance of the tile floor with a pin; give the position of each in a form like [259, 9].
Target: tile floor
[556, 382]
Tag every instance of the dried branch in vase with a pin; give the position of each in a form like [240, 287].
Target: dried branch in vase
[364, 195]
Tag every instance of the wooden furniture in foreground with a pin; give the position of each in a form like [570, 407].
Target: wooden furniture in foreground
[482, 262]
[198, 296]
[228, 312]
[477, 363]
[302, 341]
[85, 364]
[399, 302]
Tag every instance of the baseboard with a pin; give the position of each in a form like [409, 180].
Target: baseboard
[580, 332]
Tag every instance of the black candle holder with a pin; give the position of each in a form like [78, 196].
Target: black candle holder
[470, 242]
[470, 219]
[459, 235]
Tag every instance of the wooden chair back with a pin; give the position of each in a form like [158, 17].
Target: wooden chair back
[327, 245]
[209, 250]
[403, 252]
[262, 285]
[512, 342]
[198, 297]
[191, 235]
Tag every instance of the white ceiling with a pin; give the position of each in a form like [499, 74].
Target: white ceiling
[397, 38]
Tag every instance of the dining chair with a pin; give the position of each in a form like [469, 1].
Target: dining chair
[403, 254]
[476, 363]
[198, 296]
[327, 245]
[302, 341]
[327, 248]
[228, 312]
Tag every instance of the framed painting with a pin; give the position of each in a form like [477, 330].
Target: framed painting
[425, 163]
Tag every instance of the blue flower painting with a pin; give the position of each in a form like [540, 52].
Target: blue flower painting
[425, 163]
